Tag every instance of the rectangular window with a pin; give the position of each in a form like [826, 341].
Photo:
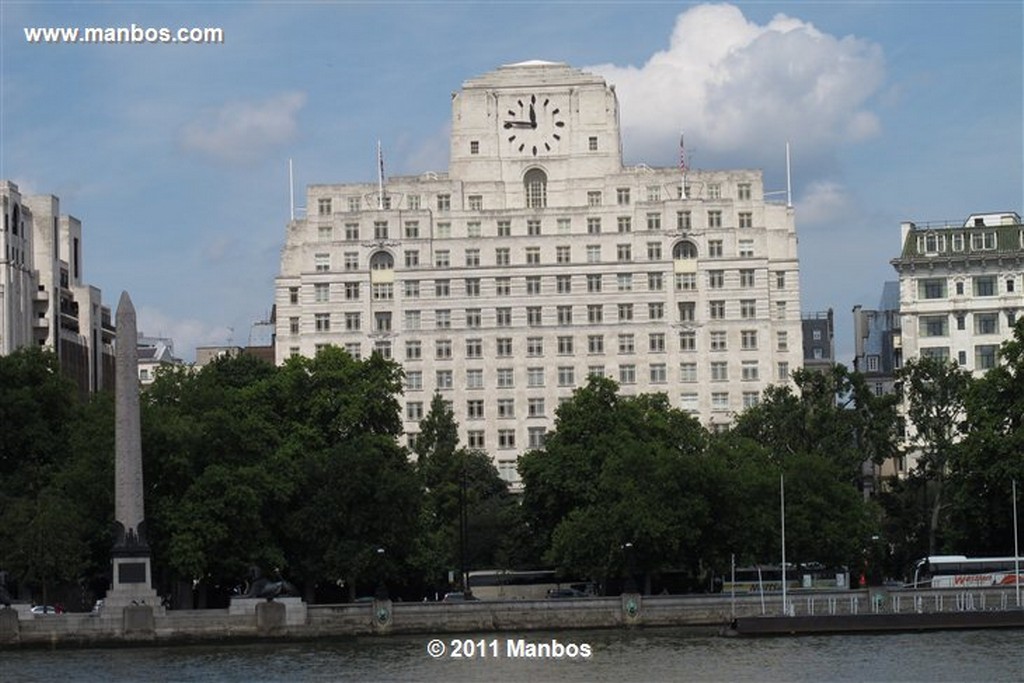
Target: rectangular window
[503, 347]
[688, 372]
[324, 207]
[687, 341]
[687, 311]
[594, 283]
[720, 371]
[688, 403]
[506, 378]
[353, 203]
[352, 322]
[475, 439]
[411, 289]
[414, 381]
[443, 349]
[654, 221]
[625, 224]
[322, 322]
[686, 281]
[475, 409]
[321, 292]
[720, 400]
[595, 344]
[412, 230]
[564, 226]
[503, 286]
[476, 202]
[563, 284]
[654, 251]
[748, 309]
[751, 399]
[475, 379]
[563, 254]
[413, 350]
[593, 226]
[592, 143]
[414, 411]
[750, 371]
[322, 263]
[535, 407]
[683, 221]
[444, 380]
[653, 193]
[593, 253]
[380, 230]
[565, 346]
[473, 318]
[595, 313]
[746, 278]
[325, 233]
[534, 347]
[656, 342]
[442, 258]
[472, 258]
[622, 196]
[984, 285]
[503, 317]
[655, 311]
[718, 341]
[931, 288]
[748, 340]
[504, 228]
[624, 282]
[443, 319]
[624, 252]
[625, 312]
[594, 196]
[566, 376]
[985, 356]
[627, 344]
[933, 325]
[780, 279]
[782, 340]
[474, 348]
[783, 371]
[746, 219]
[533, 226]
[533, 285]
[351, 261]
[412, 258]
[506, 438]
[627, 374]
[533, 256]
[293, 325]
[534, 316]
[534, 377]
[564, 315]
[444, 202]
[714, 219]
[716, 310]
[714, 248]
[746, 248]
[743, 191]
[716, 279]
[351, 291]
[502, 256]
[655, 282]
[442, 288]
[986, 323]
[472, 286]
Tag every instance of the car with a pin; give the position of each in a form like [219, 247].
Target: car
[458, 596]
[43, 609]
[558, 593]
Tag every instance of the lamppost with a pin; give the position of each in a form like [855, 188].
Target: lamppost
[382, 587]
[630, 584]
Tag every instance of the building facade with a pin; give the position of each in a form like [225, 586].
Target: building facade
[819, 342]
[878, 348]
[537, 260]
[961, 288]
[44, 299]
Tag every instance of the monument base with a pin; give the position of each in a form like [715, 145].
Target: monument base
[295, 613]
[133, 586]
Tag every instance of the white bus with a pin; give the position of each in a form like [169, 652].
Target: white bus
[960, 571]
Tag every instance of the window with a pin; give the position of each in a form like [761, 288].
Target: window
[625, 312]
[625, 224]
[719, 371]
[624, 282]
[353, 203]
[687, 311]
[627, 374]
[503, 317]
[718, 341]
[594, 196]
[444, 202]
[749, 371]
[414, 381]
[293, 295]
[716, 310]
[654, 221]
[751, 399]
[686, 281]
[472, 286]
[476, 202]
[443, 319]
[716, 279]
[503, 286]
[325, 233]
[535, 407]
[595, 344]
[353, 349]
[564, 226]
[780, 310]
[983, 241]
[413, 350]
[474, 348]
[714, 248]
[593, 226]
[503, 347]
[321, 292]
[506, 438]
[655, 282]
[534, 377]
[473, 229]
[504, 228]
[536, 185]
[564, 315]
[475, 409]
[746, 278]
[655, 311]
[412, 258]
[984, 285]
[442, 288]
[622, 196]
[595, 313]
[443, 349]
[624, 252]
[533, 285]
[412, 230]
[506, 378]
[444, 380]
[935, 352]
[293, 325]
[687, 341]
[475, 378]
[714, 191]
[563, 284]
[534, 316]
[322, 322]
[746, 248]
[533, 227]
[688, 403]
[472, 258]
[592, 371]
[931, 288]
[986, 323]
[563, 254]
[933, 325]
[592, 143]
[780, 279]
[414, 411]
[748, 309]
[627, 344]
[688, 372]
[533, 256]
[720, 400]
[783, 371]
[593, 253]
[746, 219]
[475, 439]
[534, 347]
[714, 219]
[654, 251]
[322, 262]
[380, 230]
[566, 376]
[985, 356]
[743, 191]
[748, 340]
[565, 346]
[683, 221]
[324, 207]
[411, 289]
[352, 322]
[502, 256]
[782, 340]
[656, 342]
[474, 146]
[442, 258]
[594, 283]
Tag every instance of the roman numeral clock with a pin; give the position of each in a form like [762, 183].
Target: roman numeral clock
[533, 125]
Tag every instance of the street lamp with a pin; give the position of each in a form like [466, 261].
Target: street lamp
[630, 583]
[382, 587]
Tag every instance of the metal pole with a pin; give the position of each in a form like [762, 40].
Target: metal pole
[1016, 546]
[732, 588]
[782, 499]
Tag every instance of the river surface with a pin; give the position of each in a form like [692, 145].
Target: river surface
[615, 655]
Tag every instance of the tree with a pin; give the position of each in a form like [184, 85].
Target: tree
[935, 392]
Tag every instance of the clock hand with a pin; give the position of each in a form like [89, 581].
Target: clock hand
[533, 117]
[519, 124]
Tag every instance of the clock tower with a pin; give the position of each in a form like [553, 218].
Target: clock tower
[534, 114]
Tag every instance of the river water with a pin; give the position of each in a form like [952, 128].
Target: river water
[615, 655]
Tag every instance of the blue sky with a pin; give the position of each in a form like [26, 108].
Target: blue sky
[175, 157]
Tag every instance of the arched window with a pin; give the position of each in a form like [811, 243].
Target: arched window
[684, 250]
[536, 182]
[382, 260]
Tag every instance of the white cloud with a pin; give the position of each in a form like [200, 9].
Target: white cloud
[241, 132]
[186, 333]
[822, 203]
[731, 84]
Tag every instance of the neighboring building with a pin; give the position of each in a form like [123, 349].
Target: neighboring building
[43, 298]
[539, 259]
[154, 353]
[961, 288]
[877, 344]
[819, 342]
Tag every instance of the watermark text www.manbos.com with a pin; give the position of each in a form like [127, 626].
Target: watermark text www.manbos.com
[124, 35]
[510, 648]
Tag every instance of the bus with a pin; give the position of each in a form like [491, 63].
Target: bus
[960, 571]
[768, 578]
[502, 584]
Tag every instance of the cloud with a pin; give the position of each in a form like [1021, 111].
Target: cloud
[242, 132]
[186, 333]
[733, 85]
[823, 202]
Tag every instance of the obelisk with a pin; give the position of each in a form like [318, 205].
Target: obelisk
[132, 580]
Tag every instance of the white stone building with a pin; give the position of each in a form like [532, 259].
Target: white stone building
[539, 259]
[44, 299]
[961, 288]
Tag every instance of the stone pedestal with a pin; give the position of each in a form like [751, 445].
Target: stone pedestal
[270, 618]
[10, 630]
[294, 608]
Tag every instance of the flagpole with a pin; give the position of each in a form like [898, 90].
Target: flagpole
[682, 167]
[782, 502]
[380, 178]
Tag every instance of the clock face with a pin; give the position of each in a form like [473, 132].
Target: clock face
[533, 125]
